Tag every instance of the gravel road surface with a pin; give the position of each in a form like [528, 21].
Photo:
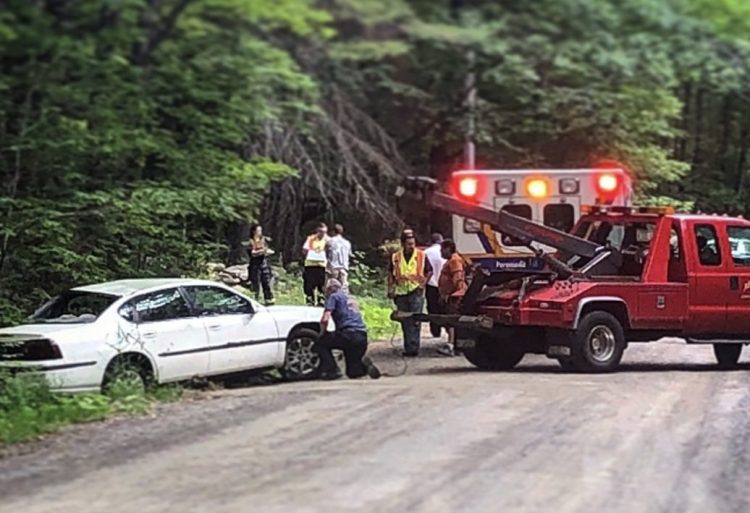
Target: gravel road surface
[669, 433]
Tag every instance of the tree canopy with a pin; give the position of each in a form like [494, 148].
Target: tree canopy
[134, 134]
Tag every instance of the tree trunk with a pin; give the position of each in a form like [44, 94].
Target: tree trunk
[740, 171]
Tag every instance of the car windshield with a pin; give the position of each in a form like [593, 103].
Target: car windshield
[73, 307]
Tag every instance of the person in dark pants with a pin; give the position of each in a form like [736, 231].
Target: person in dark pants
[316, 260]
[258, 270]
[432, 294]
[451, 285]
[350, 337]
[408, 274]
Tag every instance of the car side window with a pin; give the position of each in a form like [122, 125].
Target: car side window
[163, 305]
[218, 301]
[739, 241]
[127, 311]
[709, 251]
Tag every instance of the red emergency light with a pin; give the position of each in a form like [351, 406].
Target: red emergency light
[467, 187]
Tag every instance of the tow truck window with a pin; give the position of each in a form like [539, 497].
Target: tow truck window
[707, 244]
[520, 211]
[559, 216]
[739, 241]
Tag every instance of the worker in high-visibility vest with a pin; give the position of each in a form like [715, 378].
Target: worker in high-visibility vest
[408, 274]
[316, 260]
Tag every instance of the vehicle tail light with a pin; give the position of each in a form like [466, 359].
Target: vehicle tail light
[505, 187]
[537, 188]
[569, 186]
[30, 350]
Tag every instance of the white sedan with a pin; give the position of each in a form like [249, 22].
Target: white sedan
[159, 330]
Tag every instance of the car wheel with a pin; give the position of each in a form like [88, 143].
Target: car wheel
[132, 372]
[302, 361]
[598, 343]
[492, 354]
[727, 355]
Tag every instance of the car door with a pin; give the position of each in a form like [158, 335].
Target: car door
[168, 330]
[239, 336]
[738, 308]
[709, 282]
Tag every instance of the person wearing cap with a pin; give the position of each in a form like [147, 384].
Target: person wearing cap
[350, 336]
[408, 274]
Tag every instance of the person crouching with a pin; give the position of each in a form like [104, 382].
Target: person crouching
[350, 336]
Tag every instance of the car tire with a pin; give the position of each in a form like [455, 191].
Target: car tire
[727, 355]
[598, 343]
[493, 355]
[301, 361]
[132, 368]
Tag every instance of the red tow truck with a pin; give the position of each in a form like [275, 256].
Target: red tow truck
[622, 275]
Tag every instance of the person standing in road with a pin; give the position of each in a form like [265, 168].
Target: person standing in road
[434, 256]
[314, 274]
[408, 273]
[350, 336]
[451, 284]
[339, 252]
[259, 270]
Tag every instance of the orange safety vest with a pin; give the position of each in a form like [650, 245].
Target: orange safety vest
[408, 275]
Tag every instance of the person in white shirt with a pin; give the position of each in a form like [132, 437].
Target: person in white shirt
[339, 252]
[434, 305]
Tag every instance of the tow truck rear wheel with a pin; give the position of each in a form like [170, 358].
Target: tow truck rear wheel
[598, 343]
[727, 354]
[491, 354]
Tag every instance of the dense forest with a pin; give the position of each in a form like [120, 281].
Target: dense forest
[136, 136]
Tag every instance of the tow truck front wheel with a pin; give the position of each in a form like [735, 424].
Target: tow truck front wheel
[598, 343]
[491, 354]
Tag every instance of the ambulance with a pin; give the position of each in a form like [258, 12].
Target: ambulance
[554, 197]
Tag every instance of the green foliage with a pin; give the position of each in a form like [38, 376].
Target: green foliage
[28, 409]
[124, 130]
[133, 134]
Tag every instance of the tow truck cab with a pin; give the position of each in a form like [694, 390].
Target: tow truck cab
[684, 276]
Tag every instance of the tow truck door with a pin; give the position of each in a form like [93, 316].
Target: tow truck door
[708, 279]
[737, 242]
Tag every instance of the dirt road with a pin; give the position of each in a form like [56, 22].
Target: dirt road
[667, 433]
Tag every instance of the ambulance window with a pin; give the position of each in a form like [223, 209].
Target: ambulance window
[559, 216]
[520, 211]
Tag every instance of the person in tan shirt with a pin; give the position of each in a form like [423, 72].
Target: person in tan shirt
[451, 284]
[452, 281]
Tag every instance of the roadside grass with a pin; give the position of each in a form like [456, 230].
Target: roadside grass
[29, 409]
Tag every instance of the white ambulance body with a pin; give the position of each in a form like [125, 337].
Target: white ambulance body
[553, 197]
